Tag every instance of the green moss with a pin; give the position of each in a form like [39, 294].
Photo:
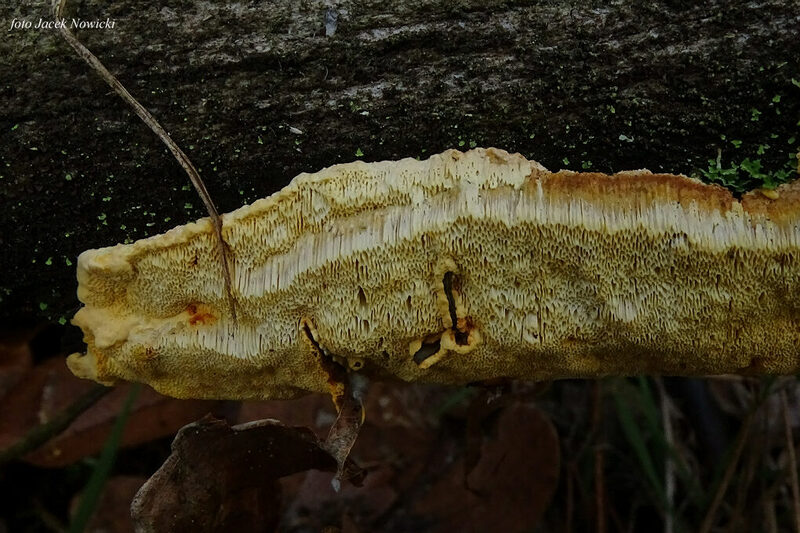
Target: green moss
[748, 173]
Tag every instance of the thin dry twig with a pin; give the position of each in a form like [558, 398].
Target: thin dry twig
[599, 461]
[153, 124]
[771, 519]
[568, 507]
[600, 490]
[61, 421]
[669, 463]
[792, 460]
[741, 512]
[769, 495]
[741, 439]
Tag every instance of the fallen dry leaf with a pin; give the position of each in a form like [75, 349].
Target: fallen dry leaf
[510, 485]
[50, 387]
[393, 444]
[312, 503]
[315, 411]
[24, 402]
[344, 431]
[15, 360]
[222, 478]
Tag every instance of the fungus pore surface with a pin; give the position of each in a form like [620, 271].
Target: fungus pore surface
[463, 267]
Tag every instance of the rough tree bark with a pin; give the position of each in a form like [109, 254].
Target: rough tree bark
[258, 92]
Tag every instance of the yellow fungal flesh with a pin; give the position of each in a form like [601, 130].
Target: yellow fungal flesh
[463, 267]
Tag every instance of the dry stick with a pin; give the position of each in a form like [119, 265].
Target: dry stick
[769, 500]
[599, 462]
[792, 461]
[600, 491]
[771, 518]
[61, 421]
[568, 507]
[741, 439]
[48, 519]
[742, 509]
[151, 122]
[669, 464]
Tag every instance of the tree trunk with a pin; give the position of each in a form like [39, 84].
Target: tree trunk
[258, 92]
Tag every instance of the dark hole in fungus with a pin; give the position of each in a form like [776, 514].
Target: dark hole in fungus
[426, 351]
[461, 337]
[757, 365]
[448, 282]
[451, 283]
[362, 298]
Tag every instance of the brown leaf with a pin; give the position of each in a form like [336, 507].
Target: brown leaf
[344, 431]
[50, 387]
[15, 361]
[313, 504]
[313, 410]
[222, 478]
[511, 484]
[393, 444]
[23, 404]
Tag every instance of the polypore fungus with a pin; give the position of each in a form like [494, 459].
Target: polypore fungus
[464, 267]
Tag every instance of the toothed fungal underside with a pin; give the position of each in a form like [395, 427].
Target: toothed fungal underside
[464, 267]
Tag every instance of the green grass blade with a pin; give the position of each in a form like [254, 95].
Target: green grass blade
[636, 439]
[653, 418]
[91, 493]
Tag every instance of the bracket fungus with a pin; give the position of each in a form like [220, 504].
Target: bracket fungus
[463, 267]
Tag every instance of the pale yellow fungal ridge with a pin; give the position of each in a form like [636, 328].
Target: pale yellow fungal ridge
[368, 264]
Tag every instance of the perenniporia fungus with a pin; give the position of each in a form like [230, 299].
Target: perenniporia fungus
[464, 267]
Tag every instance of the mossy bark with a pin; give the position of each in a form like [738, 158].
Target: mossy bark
[256, 93]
